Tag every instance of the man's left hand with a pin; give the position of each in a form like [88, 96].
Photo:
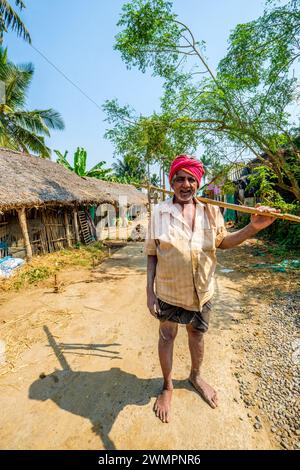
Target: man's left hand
[259, 222]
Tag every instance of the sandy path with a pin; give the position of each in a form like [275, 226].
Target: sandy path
[102, 372]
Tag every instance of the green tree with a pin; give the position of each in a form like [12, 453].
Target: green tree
[9, 19]
[148, 139]
[244, 106]
[80, 162]
[21, 129]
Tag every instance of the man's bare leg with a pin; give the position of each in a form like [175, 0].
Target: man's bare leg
[196, 345]
[167, 334]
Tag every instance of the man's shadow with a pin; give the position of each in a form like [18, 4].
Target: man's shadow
[98, 396]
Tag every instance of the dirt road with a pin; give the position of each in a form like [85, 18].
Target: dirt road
[90, 378]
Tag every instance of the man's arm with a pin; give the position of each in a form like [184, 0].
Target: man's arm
[258, 222]
[235, 238]
[152, 301]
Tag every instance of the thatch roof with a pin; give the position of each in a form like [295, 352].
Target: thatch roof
[115, 190]
[28, 181]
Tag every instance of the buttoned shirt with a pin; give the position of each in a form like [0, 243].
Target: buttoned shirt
[186, 258]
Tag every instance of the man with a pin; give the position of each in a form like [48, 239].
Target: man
[181, 248]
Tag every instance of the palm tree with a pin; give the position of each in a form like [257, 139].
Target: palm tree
[131, 168]
[21, 129]
[9, 19]
[155, 181]
[79, 167]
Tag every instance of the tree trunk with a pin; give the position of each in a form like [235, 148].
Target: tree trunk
[24, 229]
[164, 183]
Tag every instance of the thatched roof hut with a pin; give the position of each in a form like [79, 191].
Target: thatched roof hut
[117, 190]
[51, 203]
[29, 181]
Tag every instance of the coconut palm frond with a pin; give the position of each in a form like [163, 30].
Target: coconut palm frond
[9, 19]
[17, 123]
[30, 120]
[52, 119]
[26, 141]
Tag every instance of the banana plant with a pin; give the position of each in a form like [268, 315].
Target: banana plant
[79, 165]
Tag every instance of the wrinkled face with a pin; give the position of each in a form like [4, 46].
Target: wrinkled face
[184, 186]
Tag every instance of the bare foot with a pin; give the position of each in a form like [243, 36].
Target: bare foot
[206, 391]
[162, 406]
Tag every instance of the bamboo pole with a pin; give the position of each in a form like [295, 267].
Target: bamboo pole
[68, 235]
[24, 229]
[75, 217]
[249, 210]
[235, 207]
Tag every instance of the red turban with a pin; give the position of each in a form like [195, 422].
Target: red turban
[188, 164]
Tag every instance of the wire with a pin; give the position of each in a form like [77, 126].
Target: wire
[66, 77]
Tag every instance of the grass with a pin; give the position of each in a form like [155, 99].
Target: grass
[283, 251]
[277, 251]
[43, 267]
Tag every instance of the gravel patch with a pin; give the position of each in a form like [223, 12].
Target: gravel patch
[271, 353]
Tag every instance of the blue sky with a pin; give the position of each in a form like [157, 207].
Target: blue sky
[78, 38]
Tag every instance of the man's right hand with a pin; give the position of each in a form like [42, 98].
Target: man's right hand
[152, 304]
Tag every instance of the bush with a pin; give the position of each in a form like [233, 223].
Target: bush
[283, 232]
[32, 276]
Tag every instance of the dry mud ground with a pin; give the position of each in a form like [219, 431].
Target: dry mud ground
[82, 370]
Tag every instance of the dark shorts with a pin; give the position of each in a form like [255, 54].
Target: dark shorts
[199, 320]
